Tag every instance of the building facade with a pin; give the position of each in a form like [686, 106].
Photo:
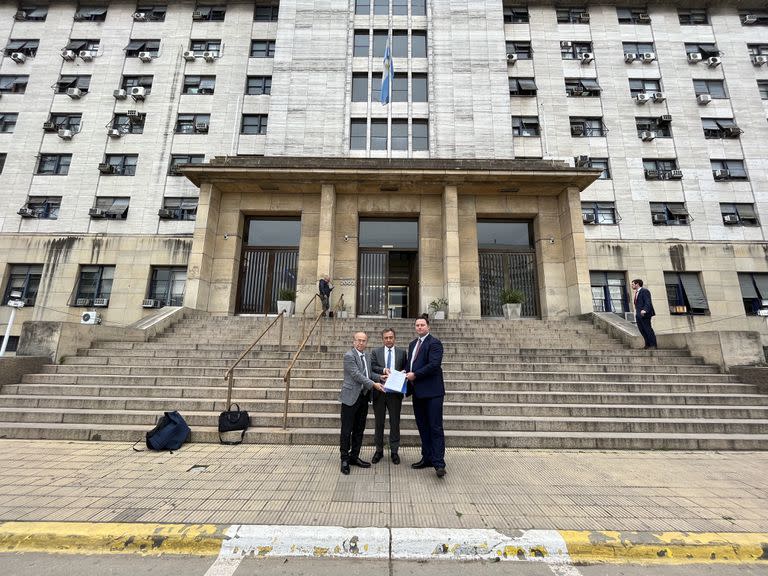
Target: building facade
[217, 154]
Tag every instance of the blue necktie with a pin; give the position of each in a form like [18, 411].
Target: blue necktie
[389, 358]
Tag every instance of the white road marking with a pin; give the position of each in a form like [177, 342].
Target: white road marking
[224, 566]
[564, 570]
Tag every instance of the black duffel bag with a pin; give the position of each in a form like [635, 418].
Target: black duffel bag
[232, 421]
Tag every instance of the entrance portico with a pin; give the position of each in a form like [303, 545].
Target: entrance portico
[446, 199]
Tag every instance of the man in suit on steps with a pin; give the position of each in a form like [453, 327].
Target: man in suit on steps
[644, 312]
[385, 359]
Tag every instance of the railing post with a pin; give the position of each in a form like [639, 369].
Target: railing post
[320, 335]
[287, 392]
[230, 384]
[280, 346]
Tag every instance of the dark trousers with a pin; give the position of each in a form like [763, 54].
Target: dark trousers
[644, 325]
[352, 427]
[391, 402]
[429, 420]
[325, 300]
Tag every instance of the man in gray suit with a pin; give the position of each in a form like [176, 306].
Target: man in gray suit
[384, 360]
[355, 392]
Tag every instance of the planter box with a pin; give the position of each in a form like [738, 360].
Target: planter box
[512, 311]
[286, 305]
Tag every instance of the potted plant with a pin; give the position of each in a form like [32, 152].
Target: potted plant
[512, 302]
[440, 307]
[285, 301]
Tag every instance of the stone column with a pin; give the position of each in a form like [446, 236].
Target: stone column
[451, 255]
[574, 250]
[326, 233]
[470, 259]
[200, 266]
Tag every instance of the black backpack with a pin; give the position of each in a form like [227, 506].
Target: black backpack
[170, 433]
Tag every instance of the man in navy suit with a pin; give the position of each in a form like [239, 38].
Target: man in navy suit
[425, 382]
[643, 313]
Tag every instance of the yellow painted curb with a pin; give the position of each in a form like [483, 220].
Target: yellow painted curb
[589, 547]
[111, 538]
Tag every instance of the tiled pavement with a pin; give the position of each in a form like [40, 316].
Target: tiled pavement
[501, 489]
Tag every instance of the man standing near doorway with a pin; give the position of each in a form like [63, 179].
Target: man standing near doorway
[324, 287]
[425, 381]
[384, 360]
[643, 313]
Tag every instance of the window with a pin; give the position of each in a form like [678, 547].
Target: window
[637, 47]
[381, 7]
[420, 135]
[266, 11]
[133, 124]
[167, 285]
[644, 86]
[572, 50]
[400, 89]
[361, 42]
[78, 45]
[358, 134]
[418, 8]
[706, 50]
[522, 87]
[254, 124]
[64, 83]
[692, 16]
[715, 88]
[419, 88]
[399, 134]
[91, 13]
[262, 48]
[135, 47]
[684, 293]
[379, 42]
[419, 44]
[54, 164]
[192, 123]
[258, 85]
[179, 208]
[110, 207]
[598, 212]
[360, 87]
[659, 126]
[754, 291]
[129, 82]
[522, 50]
[601, 163]
[32, 12]
[201, 46]
[2, 162]
[609, 291]
[24, 278]
[8, 122]
[399, 44]
[661, 169]
[400, 7]
[122, 164]
[587, 127]
[525, 126]
[718, 128]
[516, 15]
[633, 15]
[375, 87]
[378, 134]
[13, 84]
[582, 87]
[199, 84]
[179, 159]
[26, 47]
[669, 214]
[94, 282]
[728, 170]
[762, 86]
[209, 13]
[363, 7]
[753, 17]
[151, 12]
[739, 214]
[758, 49]
[43, 207]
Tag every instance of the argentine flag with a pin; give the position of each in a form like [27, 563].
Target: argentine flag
[387, 76]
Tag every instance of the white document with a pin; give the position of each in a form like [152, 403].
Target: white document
[395, 382]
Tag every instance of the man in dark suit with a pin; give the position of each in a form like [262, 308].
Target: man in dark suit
[643, 313]
[359, 379]
[425, 378]
[384, 360]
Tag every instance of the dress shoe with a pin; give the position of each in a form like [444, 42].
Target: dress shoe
[421, 464]
[395, 458]
[377, 457]
[344, 467]
[440, 472]
[360, 463]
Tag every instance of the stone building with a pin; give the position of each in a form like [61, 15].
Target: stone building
[214, 154]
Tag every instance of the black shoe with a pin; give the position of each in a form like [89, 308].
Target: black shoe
[440, 472]
[421, 464]
[395, 458]
[360, 463]
[344, 467]
[377, 457]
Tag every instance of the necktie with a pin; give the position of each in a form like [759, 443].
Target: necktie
[416, 352]
[636, 293]
[389, 358]
[365, 366]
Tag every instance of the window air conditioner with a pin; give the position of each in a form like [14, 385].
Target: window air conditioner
[645, 18]
[145, 56]
[665, 118]
[730, 219]
[694, 58]
[762, 312]
[678, 309]
[196, 15]
[565, 44]
[132, 113]
[105, 168]
[27, 213]
[629, 57]
[68, 55]
[704, 99]
[20, 16]
[101, 302]
[139, 16]
[584, 17]
[577, 129]
[165, 213]
[721, 174]
[714, 62]
[647, 135]
[114, 133]
[97, 213]
[66, 134]
[49, 126]
[749, 19]
[659, 97]
[581, 161]
[74, 93]
[675, 174]
[90, 317]
[586, 57]
[83, 302]
[659, 218]
[651, 174]
[759, 60]
[201, 127]
[150, 303]
[642, 98]
[209, 56]
[511, 58]
[733, 131]
[189, 56]
[19, 57]
[138, 93]
[589, 218]
[86, 55]
[120, 94]
[649, 57]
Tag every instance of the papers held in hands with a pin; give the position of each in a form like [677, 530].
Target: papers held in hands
[395, 382]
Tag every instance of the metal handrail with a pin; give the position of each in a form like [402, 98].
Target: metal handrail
[228, 375]
[304, 313]
[339, 305]
[287, 376]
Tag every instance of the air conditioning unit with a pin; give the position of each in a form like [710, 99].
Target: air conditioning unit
[19, 57]
[565, 44]
[89, 317]
[581, 161]
[189, 56]
[175, 170]
[759, 60]
[589, 218]
[675, 174]
[642, 98]
[749, 19]
[150, 303]
[659, 218]
[66, 134]
[721, 174]
[643, 18]
[114, 133]
[630, 56]
[74, 93]
[586, 57]
[651, 174]
[695, 58]
[68, 55]
[647, 135]
[577, 129]
[730, 219]
[139, 16]
[83, 302]
[658, 96]
[132, 113]
[86, 55]
[649, 57]
[97, 213]
[49, 126]
[20, 16]
[201, 127]
[704, 99]
[165, 213]
[120, 94]
[27, 213]
[665, 118]
[584, 17]
[196, 15]
[105, 168]
[138, 93]
[678, 309]
[714, 62]
[209, 56]
[145, 56]
[732, 131]
[101, 302]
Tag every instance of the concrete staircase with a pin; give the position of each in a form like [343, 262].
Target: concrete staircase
[512, 384]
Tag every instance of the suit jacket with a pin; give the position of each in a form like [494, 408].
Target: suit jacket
[644, 303]
[428, 369]
[355, 382]
[379, 361]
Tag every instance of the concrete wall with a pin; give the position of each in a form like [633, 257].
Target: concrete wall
[12, 368]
